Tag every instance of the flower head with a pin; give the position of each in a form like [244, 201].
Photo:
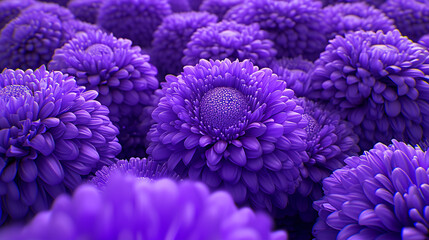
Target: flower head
[136, 20]
[411, 16]
[62, 13]
[378, 81]
[295, 72]
[11, 8]
[131, 208]
[234, 127]
[381, 194]
[228, 39]
[85, 10]
[295, 27]
[219, 7]
[122, 75]
[350, 17]
[52, 134]
[171, 37]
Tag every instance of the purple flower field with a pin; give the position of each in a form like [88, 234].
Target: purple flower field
[214, 119]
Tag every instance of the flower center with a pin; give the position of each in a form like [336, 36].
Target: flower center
[230, 34]
[223, 107]
[312, 127]
[99, 51]
[15, 91]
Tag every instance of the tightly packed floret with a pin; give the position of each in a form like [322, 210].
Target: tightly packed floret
[219, 7]
[52, 133]
[383, 194]
[296, 27]
[136, 20]
[123, 77]
[234, 127]
[378, 81]
[134, 209]
[228, 39]
[85, 10]
[9, 9]
[171, 37]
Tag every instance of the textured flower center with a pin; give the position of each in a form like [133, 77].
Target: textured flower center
[312, 127]
[384, 49]
[223, 107]
[15, 91]
[230, 34]
[99, 51]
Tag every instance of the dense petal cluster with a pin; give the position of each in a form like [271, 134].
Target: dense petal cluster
[123, 77]
[136, 20]
[411, 16]
[171, 37]
[133, 209]
[379, 82]
[296, 27]
[85, 10]
[61, 13]
[228, 39]
[234, 127]
[219, 7]
[295, 72]
[350, 17]
[52, 133]
[11, 8]
[140, 168]
[382, 194]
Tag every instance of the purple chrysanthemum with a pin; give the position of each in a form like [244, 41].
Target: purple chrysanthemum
[350, 17]
[296, 26]
[295, 72]
[219, 7]
[234, 127]
[424, 40]
[123, 77]
[171, 37]
[9, 9]
[383, 194]
[411, 16]
[140, 168]
[370, 2]
[85, 10]
[228, 39]
[129, 208]
[330, 140]
[379, 83]
[52, 133]
[136, 20]
[62, 13]
[179, 5]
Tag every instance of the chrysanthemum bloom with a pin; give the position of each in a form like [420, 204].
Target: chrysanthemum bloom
[228, 39]
[130, 208]
[52, 133]
[9, 9]
[295, 72]
[62, 13]
[411, 16]
[234, 127]
[85, 10]
[330, 140]
[350, 17]
[122, 75]
[296, 26]
[136, 20]
[379, 82]
[370, 2]
[382, 194]
[171, 37]
[424, 41]
[179, 5]
[141, 168]
[219, 7]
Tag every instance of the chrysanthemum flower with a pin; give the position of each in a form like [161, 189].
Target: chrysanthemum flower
[85, 10]
[140, 168]
[136, 20]
[179, 5]
[228, 39]
[424, 41]
[411, 16]
[295, 72]
[62, 13]
[382, 194]
[52, 133]
[350, 17]
[219, 7]
[234, 127]
[122, 75]
[379, 82]
[9, 9]
[171, 37]
[296, 26]
[129, 208]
